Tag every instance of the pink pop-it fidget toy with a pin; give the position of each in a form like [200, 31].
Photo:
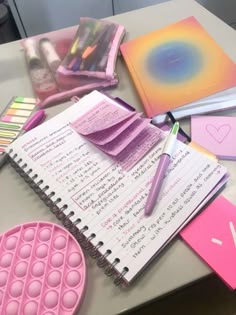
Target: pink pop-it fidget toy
[42, 271]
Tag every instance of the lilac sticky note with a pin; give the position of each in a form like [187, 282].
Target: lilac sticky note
[103, 116]
[139, 147]
[213, 236]
[126, 137]
[216, 134]
[105, 136]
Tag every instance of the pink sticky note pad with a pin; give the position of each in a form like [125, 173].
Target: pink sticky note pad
[216, 134]
[103, 116]
[138, 147]
[212, 234]
[126, 137]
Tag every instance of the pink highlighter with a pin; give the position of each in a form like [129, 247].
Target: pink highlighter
[35, 120]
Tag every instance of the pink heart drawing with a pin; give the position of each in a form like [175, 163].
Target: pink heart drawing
[218, 133]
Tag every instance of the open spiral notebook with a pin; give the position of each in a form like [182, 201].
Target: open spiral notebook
[101, 203]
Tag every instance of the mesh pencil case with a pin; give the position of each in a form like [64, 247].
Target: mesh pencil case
[44, 54]
[94, 50]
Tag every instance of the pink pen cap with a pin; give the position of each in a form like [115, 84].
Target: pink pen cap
[35, 120]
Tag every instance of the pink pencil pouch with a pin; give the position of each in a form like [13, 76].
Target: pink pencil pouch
[47, 56]
[94, 50]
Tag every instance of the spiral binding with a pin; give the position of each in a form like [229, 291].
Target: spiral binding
[43, 191]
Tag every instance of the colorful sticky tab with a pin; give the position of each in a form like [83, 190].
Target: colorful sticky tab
[8, 134]
[21, 99]
[14, 119]
[18, 112]
[5, 142]
[10, 126]
[23, 106]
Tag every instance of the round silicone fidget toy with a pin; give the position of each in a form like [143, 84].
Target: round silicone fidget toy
[42, 271]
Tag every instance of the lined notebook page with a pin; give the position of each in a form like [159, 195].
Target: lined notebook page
[109, 200]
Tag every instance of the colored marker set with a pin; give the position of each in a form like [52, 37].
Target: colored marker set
[94, 49]
[19, 115]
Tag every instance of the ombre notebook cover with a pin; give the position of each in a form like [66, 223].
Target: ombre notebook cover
[177, 65]
[212, 235]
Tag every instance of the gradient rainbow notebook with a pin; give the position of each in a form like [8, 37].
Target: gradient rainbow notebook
[177, 65]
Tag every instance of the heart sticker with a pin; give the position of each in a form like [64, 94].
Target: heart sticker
[218, 133]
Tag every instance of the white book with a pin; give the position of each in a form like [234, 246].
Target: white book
[221, 101]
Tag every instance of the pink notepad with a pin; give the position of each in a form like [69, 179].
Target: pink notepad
[213, 236]
[215, 133]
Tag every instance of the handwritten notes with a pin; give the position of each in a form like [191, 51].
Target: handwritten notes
[125, 136]
[109, 200]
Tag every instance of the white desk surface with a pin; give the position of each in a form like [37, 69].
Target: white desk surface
[178, 265]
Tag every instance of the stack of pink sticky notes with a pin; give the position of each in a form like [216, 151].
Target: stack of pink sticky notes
[213, 236]
[216, 134]
[123, 135]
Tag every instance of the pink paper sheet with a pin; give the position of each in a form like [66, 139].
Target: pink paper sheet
[212, 234]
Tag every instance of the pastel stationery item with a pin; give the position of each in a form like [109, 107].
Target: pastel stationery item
[32, 53]
[18, 112]
[42, 79]
[35, 120]
[113, 129]
[94, 49]
[212, 235]
[104, 116]
[50, 54]
[10, 126]
[177, 65]
[101, 203]
[124, 139]
[42, 270]
[107, 135]
[22, 106]
[5, 141]
[8, 134]
[138, 148]
[85, 46]
[216, 134]
[199, 148]
[22, 99]
[14, 119]
[162, 167]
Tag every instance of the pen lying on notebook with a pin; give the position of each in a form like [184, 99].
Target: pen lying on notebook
[161, 169]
